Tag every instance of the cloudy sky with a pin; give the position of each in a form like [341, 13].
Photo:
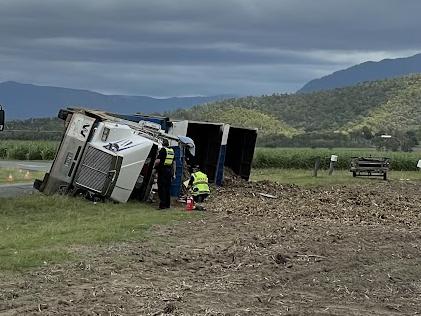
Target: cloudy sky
[198, 47]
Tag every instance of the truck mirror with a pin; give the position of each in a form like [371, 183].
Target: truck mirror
[1, 118]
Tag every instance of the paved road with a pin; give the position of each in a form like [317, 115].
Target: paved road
[26, 165]
[12, 190]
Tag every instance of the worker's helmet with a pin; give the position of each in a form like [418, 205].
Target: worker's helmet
[165, 142]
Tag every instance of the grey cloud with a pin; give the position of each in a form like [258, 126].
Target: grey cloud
[185, 47]
[323, 24]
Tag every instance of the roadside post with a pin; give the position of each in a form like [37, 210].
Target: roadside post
[1, 118]
[316, 167]
[419, 164]
[333, 161]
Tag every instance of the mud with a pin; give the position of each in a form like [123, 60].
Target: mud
[323, 251]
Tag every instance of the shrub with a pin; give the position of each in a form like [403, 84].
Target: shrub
[27, 150]
[303, 158]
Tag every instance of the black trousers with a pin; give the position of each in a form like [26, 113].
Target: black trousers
[164, 187]
[200, 198]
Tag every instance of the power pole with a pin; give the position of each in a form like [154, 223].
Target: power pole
[1, 118]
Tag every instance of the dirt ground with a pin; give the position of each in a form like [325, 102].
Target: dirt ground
[321, 251]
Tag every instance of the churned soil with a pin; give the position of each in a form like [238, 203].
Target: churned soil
[341, 250]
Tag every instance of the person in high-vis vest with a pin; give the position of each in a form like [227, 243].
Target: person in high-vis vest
[199, 185]
[165, 167]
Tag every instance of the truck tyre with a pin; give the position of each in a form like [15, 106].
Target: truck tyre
[37, 184]
[62, 114]
[385, 176]
[354, 174]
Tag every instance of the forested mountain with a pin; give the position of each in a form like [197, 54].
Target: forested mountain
[368, 71]
[23, 101]
[351, 116]
[354, 113]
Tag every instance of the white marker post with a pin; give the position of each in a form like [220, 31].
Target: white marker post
[333, 161]
[419, 164]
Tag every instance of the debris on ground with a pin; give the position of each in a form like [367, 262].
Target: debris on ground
[339, 250]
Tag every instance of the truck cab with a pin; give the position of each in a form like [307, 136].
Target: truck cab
[102, 156]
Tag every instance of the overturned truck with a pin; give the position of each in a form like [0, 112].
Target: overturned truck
[111, 156]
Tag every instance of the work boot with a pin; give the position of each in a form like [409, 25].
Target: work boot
[199, 208]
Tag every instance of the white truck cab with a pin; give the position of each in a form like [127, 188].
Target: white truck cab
[103, 156]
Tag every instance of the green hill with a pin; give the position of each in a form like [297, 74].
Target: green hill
[349, 114]
[33, 129]
[242, 117]
[344, 117]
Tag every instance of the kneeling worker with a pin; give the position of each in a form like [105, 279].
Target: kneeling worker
[199, 184]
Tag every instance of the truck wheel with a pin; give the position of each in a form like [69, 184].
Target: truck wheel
[354, 174]
[63, 114]
[385, 176]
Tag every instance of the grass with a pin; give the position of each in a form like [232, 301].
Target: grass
[10, 176]
[37, 230]
[304, 177]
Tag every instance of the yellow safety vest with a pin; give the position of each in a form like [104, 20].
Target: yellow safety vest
[200, 183]
[170, 157]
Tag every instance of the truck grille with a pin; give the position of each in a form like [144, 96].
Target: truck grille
[94, 169]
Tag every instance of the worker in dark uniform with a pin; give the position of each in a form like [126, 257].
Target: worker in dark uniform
[190, 160]
[199, 185]
[164, 166]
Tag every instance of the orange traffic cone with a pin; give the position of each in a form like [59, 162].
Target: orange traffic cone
[27, 175]
[10, 177]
